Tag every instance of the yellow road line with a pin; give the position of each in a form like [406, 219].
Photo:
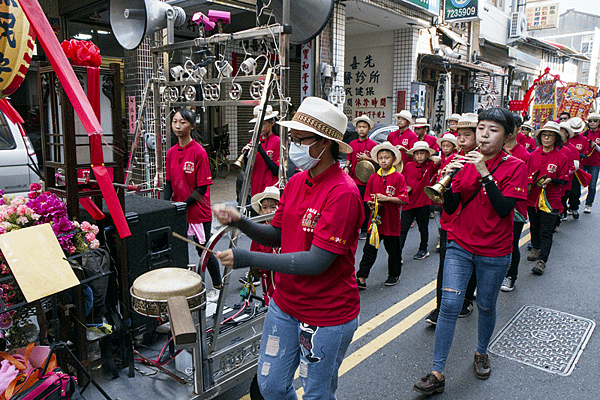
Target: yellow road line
[376, 344]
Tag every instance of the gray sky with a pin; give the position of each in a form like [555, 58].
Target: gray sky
[589, 6]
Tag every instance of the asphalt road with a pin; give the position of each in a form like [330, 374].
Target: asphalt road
[393, 346]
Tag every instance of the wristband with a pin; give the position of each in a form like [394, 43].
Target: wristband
[487, 179]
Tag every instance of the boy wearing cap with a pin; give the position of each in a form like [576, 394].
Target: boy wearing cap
[388, 187]
[403, 138]
[524, 136]
[266, 164]
[582, 145]
[421, 128]
[361, 151]
[264, 203]
[418, 174]
[452, 124]
[591, 164]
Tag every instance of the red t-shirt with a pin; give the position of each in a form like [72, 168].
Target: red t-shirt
[407, 139]
[359, 146]
[392, 185]
[526, 141]
[417, 177]
[261, 176]
[520, 152]
[445, 219]
[572, 154]
[268, 276]
[592, 159]
[478, 228]
[187, 168]
[554, 165]
[455, 133]
[326, 211]
[431, 141]
[582, 145]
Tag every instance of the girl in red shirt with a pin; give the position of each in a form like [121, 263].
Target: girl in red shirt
[188, 179]
[548, 169]
[418, 174]
[486, 188]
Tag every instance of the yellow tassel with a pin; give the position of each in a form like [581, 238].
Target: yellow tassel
[543, 201]
[375, 220]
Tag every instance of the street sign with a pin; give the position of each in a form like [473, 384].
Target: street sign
[461, 10]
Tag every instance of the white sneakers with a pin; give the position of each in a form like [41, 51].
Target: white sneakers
[587, 209]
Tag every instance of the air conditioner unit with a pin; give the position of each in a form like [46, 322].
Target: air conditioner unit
[518, 26]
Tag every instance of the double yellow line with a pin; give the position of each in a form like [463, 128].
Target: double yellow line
[383, 339]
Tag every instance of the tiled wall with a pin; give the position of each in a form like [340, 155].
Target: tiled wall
[339, 43]
[405, 63]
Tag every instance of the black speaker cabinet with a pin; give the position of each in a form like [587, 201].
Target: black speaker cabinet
[150, 246]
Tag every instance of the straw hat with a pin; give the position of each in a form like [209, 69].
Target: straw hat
[448, 137]
[454, 117]
[567, 127]
[577, 125]
[421, 123]
[468, 120]
[269, 114]
[363, 118]
[387, 146]
[271, 192]
[550, 126]
[420, 145]
[593, 116]
[406, 115]
[322, 118]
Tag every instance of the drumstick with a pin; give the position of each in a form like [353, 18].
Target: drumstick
[178, 236]
[153, 363]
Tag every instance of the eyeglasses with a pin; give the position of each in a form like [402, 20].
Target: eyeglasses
[298, 141]
[594, 120]
[564, 118]
[548, 135]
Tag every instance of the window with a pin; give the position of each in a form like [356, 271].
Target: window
[497, 3]
[587, 44]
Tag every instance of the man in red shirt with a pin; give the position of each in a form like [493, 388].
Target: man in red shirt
[361, 151]
[403, 138]
[592, 163]
[421, 128]
[266, 165]
[524, 136]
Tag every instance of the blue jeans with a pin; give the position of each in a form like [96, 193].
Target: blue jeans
[286, 343]
[458, 267]
[593, 170]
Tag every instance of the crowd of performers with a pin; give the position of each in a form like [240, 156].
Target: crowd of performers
[504, 173]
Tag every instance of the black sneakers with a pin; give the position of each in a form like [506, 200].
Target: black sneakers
[432, 317]
[391, 280]
[466, 310]
[421, 255]
[430, 384]
[361, 285]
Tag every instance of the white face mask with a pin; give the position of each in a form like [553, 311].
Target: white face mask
[301, 158]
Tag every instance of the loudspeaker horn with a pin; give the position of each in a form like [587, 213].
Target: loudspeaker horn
[308, 17]
[133, 20]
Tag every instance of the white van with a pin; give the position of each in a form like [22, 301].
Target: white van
[17, 159]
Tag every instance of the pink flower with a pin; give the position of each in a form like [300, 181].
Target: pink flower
[35, 186]
[94, 244]
[90, 236]
[86, 226]
[6, 319]
[2, 230]
[22, 220]
[19, 200]
[95, 229]
[23, 210]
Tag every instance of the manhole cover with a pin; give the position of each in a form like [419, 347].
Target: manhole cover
[546, 339]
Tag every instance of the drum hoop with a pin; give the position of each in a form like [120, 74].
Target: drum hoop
[147, 302]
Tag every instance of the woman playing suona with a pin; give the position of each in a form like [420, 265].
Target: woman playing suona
[314, 310]
[188, 179]
[486, 188]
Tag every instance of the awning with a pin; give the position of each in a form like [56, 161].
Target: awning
[452, 35]
[560, 49]
[480, 67]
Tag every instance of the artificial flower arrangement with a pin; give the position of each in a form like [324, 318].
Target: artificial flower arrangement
[17, 213]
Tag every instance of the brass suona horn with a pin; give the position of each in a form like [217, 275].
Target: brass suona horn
[240, 160]
[436, 191]
[133, 20]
